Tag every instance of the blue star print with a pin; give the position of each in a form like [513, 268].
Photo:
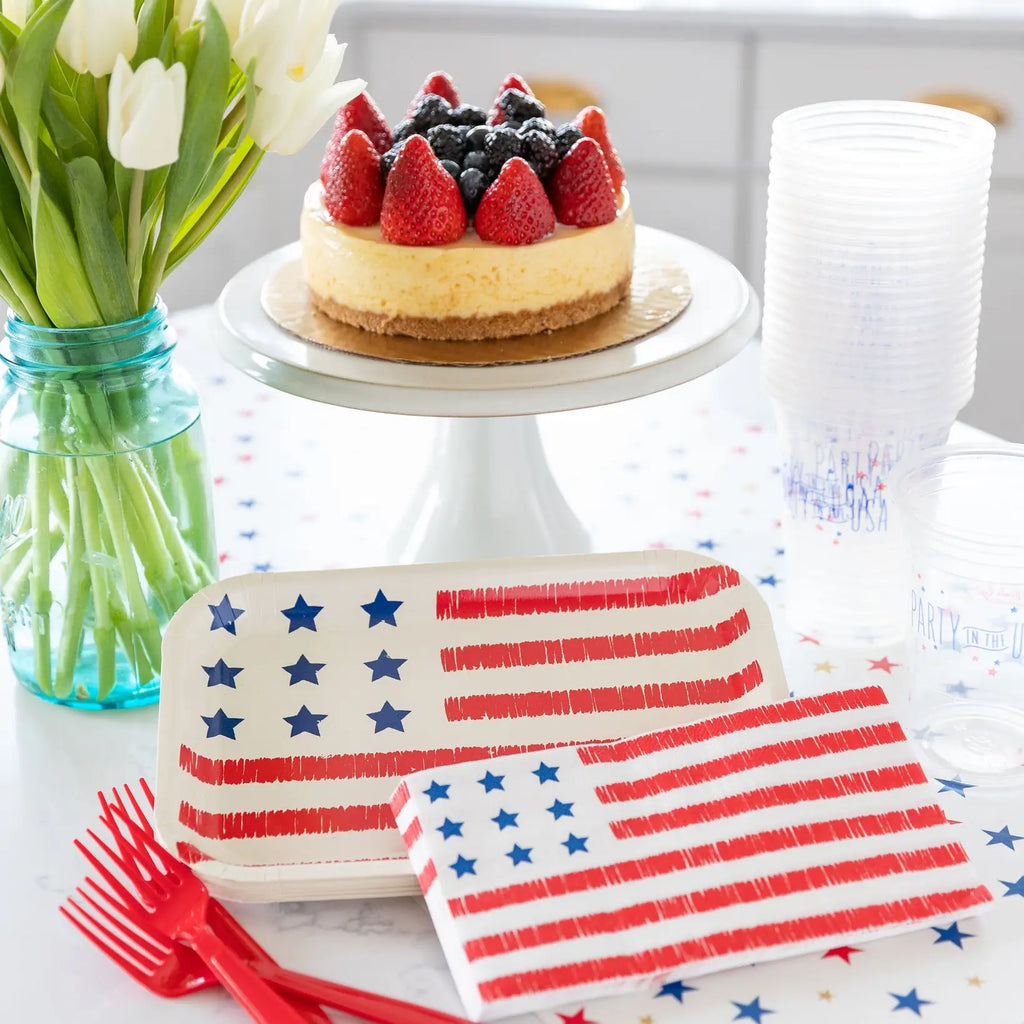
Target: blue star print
[545, 773]
[1004, 837]
[519, 855]
[437, 791]
[463, 866]
[505, 820]
[380, 609]
[750, 1011]
[959, 689]
[221, 725]
[707, 545]
[247, 534]
[302, 615]
[675, 989]
[387, 718]
[224, 616]
[261, 567]
[560, 810]
[490, 782]
[304, 721]
[768, 581]
[576, 844]
[385, 666]
[954, 786]
[221, 674]
[911, 1001]
[303, 671]
[449, 828]
[952, 934]
[1014, 888]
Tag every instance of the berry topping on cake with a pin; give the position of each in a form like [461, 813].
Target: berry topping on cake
[404, 130]
[473, 184]
[438, 84]
[422, 203]
[518, 107]
[501, 145]
[477, 136]
[477, 160]
[353, 191]
[497, 115]
[591, 121]
[452, 168]
[539, 150]
[447, 141]
[365, 116]
[566, 137]
[515, 210]
[430, 111]
[467, 114]
[582, 192]
[537, 124]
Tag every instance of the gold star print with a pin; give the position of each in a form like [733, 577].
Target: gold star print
[824, 666]
[826, 995]
[974, 982]
[646, 1020]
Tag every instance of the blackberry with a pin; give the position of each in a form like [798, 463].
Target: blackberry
[514, 125]
[538, 124]
[476, 135]
[472, 184]
[430, 111]
[566, 137]
[517, 106]
[469, 115]
[446, 141]
[403, 130]
[452, 168]
[501, 145]
[540, 151]
[387, 160]
[476, 159]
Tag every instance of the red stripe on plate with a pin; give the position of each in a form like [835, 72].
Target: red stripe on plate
[878, 780]
[596, 648]
[757, 757]
[718, 897]
[770, 841]
[542, 703]
[190, 854]
[740, 940]
[399, 799]
[427, 877]
[412, 833]
[544, 598]
[736, 721]
[288, 822]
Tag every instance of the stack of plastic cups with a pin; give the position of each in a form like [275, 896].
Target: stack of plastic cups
[875, 246]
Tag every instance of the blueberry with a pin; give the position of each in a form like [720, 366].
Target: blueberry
[452, 168]
[403, 130]
[517, 106]
[475, 136]
[540, 151]
[430, 111]
[467, 114]
[566, 137]
[538, 124]
[501, 145]
[446, 141]
[476, 159]
[472, 184]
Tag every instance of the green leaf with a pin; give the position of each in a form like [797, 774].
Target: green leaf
[154, 17]
[102, 253]
[14, 218]
[70, 133]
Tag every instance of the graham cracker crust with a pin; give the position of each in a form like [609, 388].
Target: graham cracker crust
[460, 328]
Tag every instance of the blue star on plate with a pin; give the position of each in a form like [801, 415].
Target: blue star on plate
[380, 609]
[768, 581]
[560, 810]
[520, 855]
[437, 791]
[221, 674]
[506, 820]
[449, 828]
[247, 534]
[463, 866]
[576, 844]
[707, 545]
[261, 567]
[751, 1011]
[675, 989]
[304, 721]
[387, 718]
[1004, 837]
[224, 616]
[302, 615]
[911, 1001]
[545, 773]
[303, 671]
[384, 666]
[490, 782]
[1014, 888]
[952, 934]
[954, 786]
[221, 725]
[959, 689]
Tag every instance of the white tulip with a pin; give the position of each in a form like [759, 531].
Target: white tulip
[284, 38]
[230, 12]
[289, 112]
[185, 11]
[147, 112]
[16, 11]
[96, 32]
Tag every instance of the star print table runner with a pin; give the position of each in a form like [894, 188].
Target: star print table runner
[599, 869]
[292, 703]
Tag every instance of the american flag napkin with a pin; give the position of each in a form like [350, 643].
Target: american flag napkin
[605, 868]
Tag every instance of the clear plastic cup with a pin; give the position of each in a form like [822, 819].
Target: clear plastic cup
[965, 603]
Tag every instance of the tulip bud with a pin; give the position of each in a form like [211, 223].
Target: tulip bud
[283, 38]
[16, 11]
[147, 112]
[96, 32]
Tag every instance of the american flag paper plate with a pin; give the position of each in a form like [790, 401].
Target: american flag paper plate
[599, 869]
[293, 703]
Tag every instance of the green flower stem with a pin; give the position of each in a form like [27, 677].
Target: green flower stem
[77, 599]
[14, 150]
[39, 580]
[134, 230]
[191, 474]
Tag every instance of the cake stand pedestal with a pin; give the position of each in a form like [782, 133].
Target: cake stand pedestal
[489, 491]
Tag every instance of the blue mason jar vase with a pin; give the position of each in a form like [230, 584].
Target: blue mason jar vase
[106, 521]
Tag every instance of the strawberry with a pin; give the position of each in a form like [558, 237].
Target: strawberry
[581, 189]
[515, 210]
[438, 84]
[363, 114]
[422, 204]
[353, 190]
[497, 115]
[591, 121]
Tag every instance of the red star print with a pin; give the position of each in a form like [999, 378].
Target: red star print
[843, 952]
[880, 487]
[703, 494]
[882, 665]
[755, 429]
[245, 458]
[223, 557]
[696, 513]
[991, 671]
[805, 639]
[740, 450]
[575, 1018]
[217, 481]
[657, 544]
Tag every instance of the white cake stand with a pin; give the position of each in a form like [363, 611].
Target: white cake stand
[488, 491]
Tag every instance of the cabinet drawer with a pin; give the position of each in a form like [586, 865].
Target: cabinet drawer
[670, 103]
[790, 74]
[699, 209]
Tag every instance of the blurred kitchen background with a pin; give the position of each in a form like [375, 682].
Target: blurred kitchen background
[690, 88]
